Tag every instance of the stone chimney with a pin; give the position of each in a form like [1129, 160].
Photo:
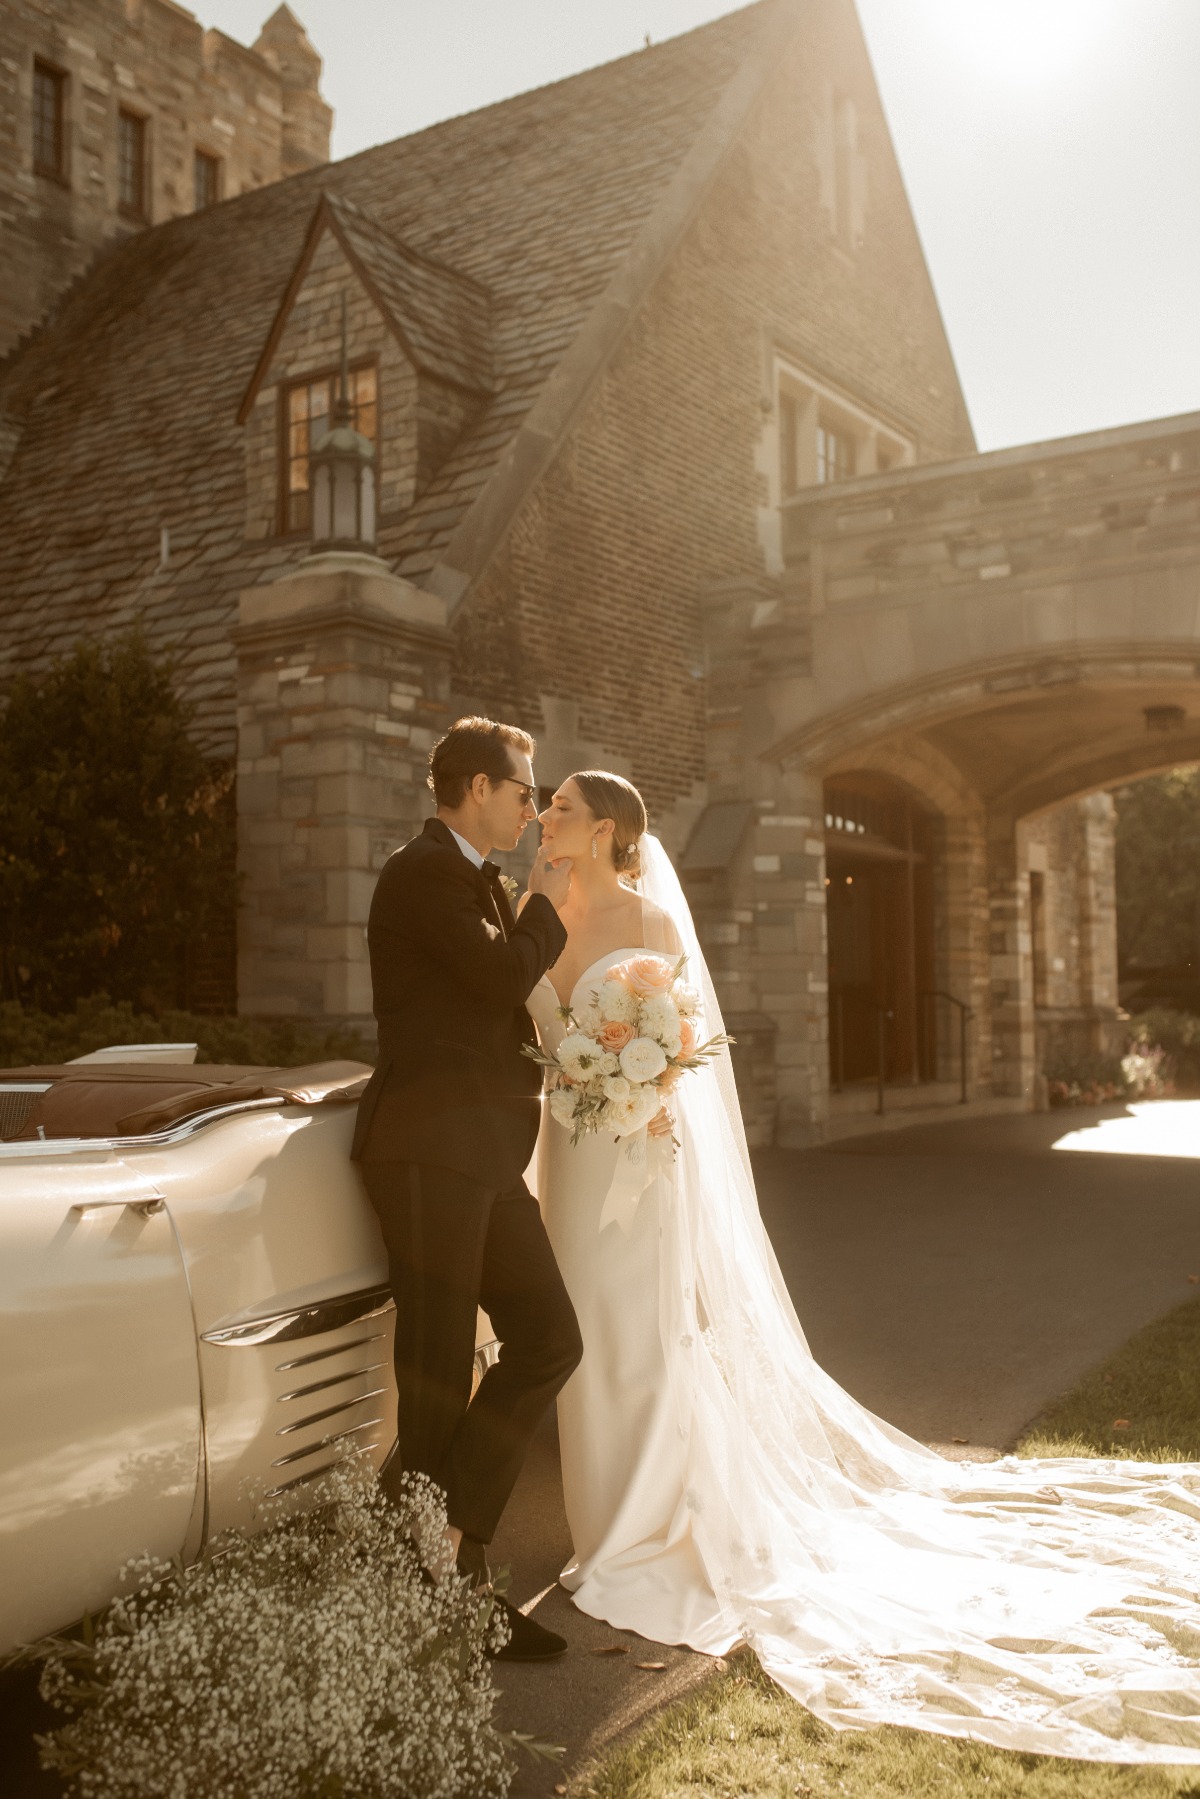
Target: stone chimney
[307, 120]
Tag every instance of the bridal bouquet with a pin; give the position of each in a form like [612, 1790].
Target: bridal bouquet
[626, 1048]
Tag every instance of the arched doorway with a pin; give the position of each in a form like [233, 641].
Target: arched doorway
[880, 849]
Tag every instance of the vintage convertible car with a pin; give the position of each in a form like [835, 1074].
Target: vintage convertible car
[193, 1310]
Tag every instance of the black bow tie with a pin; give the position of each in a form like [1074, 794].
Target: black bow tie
[490, 872]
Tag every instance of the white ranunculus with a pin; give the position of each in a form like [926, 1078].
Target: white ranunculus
[624, 1116]
[686, 998]
[580, 1057]
[615, 1002]
[562, 1105]
[661, 1021]
[617, 1087]
[642, 1060]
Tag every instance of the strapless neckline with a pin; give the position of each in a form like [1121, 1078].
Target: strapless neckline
[609, 958]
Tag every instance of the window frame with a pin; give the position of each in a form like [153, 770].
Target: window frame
[805, 405]
[139, 209]
[329, 372]
[206, 158]
[58, 78]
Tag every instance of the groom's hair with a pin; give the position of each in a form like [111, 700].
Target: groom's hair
[474, 746]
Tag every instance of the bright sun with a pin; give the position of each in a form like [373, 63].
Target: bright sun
[1024, 40]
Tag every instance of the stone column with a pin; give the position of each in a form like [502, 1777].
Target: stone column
[343, 686]
[1013, 1057]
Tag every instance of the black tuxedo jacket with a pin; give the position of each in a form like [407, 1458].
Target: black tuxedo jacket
[450, 971]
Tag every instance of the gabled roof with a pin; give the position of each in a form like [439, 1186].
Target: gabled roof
[440, 318]
[560, 203]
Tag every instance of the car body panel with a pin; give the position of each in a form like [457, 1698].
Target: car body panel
[190, 1319]
[100, 1450]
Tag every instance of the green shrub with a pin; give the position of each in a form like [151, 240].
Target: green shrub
[117, 836]
[29, 1038]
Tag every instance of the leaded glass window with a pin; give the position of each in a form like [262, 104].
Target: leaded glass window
[307, 415]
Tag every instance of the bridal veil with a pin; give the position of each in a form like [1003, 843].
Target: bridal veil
[1048, 1606]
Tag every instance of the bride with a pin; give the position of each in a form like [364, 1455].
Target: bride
[721, 1487]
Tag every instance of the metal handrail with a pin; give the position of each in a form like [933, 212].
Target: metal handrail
[883, 1017]
[964, 1013]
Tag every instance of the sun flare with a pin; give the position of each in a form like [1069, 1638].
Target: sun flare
[1023, 40]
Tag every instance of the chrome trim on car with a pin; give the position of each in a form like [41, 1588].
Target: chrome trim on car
[303, 1321]
[347, 1405]
[323, 1355]
[298, 1455]
[486, 1356]
[332, 1380]
[301, 1480]
[176, 1133]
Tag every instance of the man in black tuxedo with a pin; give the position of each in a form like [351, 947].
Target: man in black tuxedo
[445, 1130]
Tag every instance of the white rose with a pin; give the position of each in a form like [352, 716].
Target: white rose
[624, 1116]
[641, 1060]
[580, 1057]
[617, 1087]
[562, 1105]
[686, 998]
[614, 1001]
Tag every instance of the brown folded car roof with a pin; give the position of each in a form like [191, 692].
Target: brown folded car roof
[133, 1099]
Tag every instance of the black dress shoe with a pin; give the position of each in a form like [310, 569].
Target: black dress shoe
[528, 1640]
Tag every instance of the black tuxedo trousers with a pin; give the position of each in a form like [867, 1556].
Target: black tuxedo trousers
[454, 1246]
[445, 1129]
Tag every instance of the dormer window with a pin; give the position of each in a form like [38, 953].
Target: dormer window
[307, 411]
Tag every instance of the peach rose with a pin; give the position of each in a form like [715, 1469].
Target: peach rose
[687, 1036]
[645, 975]
[614, 1035]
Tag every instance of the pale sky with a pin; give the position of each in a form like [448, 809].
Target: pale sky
[1051, 150]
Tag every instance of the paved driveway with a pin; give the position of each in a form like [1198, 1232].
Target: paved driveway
[955, 1277]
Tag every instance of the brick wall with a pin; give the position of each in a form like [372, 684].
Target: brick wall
[252, 109]
[658, 489]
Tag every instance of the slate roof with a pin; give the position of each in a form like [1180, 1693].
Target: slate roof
[441, 318]
[128, 400]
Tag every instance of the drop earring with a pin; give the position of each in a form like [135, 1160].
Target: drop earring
[594, 850]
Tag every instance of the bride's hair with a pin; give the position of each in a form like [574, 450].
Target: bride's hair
[611, 796]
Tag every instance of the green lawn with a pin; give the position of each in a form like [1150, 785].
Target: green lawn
[741, 1738]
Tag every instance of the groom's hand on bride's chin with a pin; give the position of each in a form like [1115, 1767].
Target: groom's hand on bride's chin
[551, 878]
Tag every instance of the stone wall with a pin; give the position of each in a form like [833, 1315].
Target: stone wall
[257, 111]
[343, 687]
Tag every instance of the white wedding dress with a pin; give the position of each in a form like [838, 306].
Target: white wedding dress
[720, 1486]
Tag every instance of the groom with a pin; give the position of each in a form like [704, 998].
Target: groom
[445, 1129]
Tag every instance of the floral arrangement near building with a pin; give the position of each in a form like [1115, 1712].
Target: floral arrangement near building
[312, 1660]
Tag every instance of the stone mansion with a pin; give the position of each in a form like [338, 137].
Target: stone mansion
[671, 466]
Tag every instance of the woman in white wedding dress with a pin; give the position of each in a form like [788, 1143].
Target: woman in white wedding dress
[721, 1487]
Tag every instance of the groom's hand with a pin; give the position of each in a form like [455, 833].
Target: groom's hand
[551, 878]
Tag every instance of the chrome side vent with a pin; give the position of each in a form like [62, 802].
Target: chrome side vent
[353, 1420]
[322, 1355]
[302, 1321]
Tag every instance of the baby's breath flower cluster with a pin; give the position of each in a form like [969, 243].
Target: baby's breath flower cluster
[626, 1048]
[309, 1661]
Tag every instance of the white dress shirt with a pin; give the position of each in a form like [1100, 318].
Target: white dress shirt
[468, 849]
